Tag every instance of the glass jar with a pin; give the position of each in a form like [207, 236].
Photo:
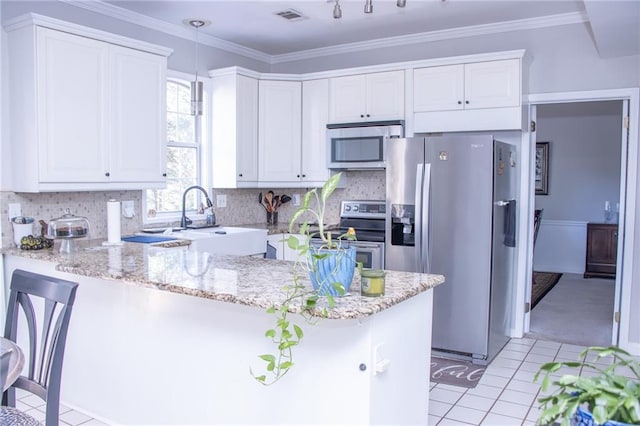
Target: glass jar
[372, 282]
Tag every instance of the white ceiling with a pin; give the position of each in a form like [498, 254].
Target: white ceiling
[252, 28]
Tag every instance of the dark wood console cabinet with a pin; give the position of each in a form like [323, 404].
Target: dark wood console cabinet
[602, 247]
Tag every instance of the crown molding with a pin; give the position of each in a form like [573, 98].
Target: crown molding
[107, 9]
[98, 6]
[454, 33]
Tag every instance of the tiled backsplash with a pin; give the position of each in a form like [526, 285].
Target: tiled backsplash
[242, 205]
[51, 205]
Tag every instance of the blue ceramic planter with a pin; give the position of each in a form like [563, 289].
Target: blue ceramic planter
[584, 418]
[338, 266]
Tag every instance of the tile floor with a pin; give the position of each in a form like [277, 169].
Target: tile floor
[505, 395]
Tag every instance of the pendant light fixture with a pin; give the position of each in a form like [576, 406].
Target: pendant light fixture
[337, 11]
[196, 85]
[368, 7]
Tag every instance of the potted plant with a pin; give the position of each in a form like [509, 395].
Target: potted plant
[602, 396]
[330, 268]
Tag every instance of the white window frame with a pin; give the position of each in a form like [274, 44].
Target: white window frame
[203, 149]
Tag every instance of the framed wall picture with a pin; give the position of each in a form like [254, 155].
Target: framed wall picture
[542, 168]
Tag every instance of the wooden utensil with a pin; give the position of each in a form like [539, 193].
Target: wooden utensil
[269, 200]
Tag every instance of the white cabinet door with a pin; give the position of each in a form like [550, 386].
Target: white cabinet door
[247, 129]
[290, 254]
[279, 130]
[367, 97]
[438, 88]
[347, 97]
[234, 131]
[315, 116]
[72, 90]
[385, 96]
[276, 241]
[492, 84]
[138, 130]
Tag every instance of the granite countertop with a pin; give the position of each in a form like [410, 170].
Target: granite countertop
[242, 280]
[282, 228]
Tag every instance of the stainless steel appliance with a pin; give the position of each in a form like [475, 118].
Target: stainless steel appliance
[451, 210]
[368, 219]
[360, 145]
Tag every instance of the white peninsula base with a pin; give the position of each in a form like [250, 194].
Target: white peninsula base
[137, 355]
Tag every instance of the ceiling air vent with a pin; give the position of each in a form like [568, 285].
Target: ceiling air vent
[291, 15]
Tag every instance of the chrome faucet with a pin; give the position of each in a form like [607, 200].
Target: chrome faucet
[185, 220]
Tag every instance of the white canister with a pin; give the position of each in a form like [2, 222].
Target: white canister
[22, 226]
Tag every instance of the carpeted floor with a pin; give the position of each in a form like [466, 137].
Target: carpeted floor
[543, 282]
[577, 311]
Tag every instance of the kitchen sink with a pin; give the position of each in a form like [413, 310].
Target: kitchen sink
[227, 240]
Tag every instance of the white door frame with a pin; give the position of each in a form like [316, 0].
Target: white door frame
[628, 189]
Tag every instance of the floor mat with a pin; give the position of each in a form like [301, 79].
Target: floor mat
[543, 282]
[455, 372]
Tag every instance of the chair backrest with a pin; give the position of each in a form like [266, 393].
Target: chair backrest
[537, 219]
[47, 334]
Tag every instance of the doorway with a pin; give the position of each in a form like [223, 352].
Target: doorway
[584, 168]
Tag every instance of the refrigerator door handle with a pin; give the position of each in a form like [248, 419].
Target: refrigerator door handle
[418, 217]
[424, 219]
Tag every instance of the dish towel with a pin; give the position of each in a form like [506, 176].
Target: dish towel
[510, 224]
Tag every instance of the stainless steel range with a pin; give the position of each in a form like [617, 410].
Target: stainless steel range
[367, 217]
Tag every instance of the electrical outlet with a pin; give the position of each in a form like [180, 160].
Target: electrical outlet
[221, 200]
[295, 199]
[128, 209]
[14, 210]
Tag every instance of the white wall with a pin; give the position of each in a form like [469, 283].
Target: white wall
[584, 161]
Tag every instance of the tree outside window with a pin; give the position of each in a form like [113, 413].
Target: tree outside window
[183, 154]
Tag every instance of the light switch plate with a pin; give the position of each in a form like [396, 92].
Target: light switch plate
[128, 209]
[221, 200]
[295, 199]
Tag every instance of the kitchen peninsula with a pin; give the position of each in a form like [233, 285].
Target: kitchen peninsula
[168, 335]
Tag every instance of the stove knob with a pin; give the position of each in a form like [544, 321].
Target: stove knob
[355, 208]
[347, 208]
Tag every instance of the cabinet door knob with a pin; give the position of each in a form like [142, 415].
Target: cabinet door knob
[164, 175]
[298, 176]
[304, 176]
[466, 102]
[107, 174]
[368, 115]
[459, 102]
[240, 175]
[361, 115]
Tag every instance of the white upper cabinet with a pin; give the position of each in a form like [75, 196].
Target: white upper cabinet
[315, 116]
[138, 109]
[279, 130]
[492, 84]
[471, 96]
[90, 113]
[234, 137]
[367, 97]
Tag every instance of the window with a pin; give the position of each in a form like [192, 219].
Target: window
[183, 155]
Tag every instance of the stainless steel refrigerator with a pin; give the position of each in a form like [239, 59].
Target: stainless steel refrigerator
[451, 210]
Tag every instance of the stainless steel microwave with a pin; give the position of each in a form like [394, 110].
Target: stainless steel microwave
[361, 145]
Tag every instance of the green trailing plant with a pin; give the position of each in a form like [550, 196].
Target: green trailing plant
[299, 298]
[605, 393]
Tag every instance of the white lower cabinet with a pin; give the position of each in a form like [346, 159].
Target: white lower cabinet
[90, 112]
[283, 252]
